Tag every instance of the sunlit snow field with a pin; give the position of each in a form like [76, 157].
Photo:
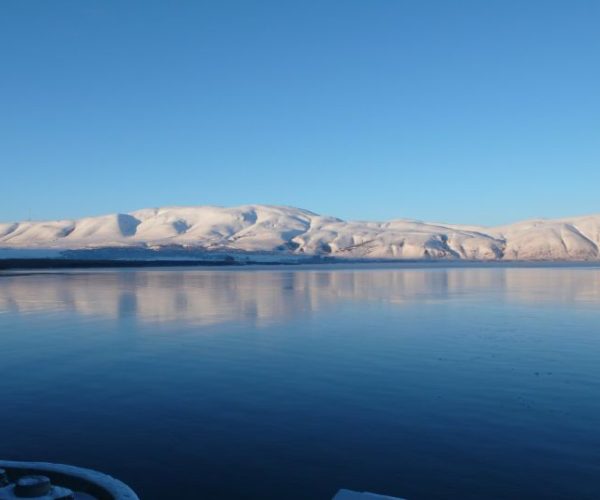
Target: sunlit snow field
[428, 382]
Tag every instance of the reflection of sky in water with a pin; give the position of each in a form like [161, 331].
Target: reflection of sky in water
[307, 380]
[212, 297]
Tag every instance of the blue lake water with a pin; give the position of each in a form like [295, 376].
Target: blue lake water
[290, 383]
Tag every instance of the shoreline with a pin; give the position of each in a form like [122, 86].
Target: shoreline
[65, 263]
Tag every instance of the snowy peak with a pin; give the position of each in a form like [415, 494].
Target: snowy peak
[292, 231]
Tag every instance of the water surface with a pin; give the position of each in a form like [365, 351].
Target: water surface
[289, 383]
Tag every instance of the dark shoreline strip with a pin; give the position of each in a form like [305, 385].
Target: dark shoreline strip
[105, 263]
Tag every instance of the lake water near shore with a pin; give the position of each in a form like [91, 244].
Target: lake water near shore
[422, 381]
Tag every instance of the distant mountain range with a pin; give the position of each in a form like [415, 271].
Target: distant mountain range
[280, 233]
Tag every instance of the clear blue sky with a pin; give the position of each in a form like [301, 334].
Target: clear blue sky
[482, 111]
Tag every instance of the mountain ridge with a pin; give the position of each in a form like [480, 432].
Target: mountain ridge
[288, 231]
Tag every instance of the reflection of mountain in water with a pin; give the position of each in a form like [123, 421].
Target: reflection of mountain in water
[210, 297]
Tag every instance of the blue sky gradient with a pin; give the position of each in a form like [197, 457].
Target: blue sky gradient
[458, 111]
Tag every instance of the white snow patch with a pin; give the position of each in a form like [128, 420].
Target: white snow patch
[293, 231]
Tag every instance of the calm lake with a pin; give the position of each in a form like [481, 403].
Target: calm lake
[427, 382]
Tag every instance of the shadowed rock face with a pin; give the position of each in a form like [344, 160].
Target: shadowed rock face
[293, 231]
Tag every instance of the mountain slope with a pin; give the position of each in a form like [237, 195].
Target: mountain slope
[291, 231]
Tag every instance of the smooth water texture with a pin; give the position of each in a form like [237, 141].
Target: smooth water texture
[289, 383]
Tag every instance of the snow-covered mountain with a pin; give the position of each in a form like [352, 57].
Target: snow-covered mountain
[286, 231]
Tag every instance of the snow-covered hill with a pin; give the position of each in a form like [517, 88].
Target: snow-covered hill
[286, 231]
